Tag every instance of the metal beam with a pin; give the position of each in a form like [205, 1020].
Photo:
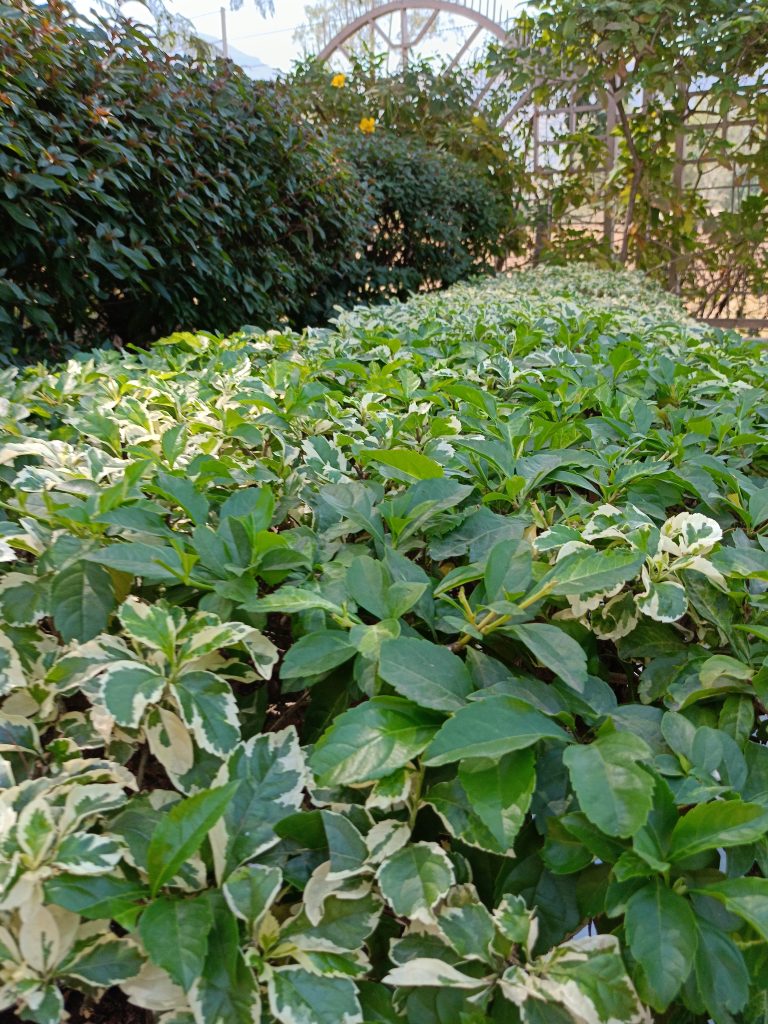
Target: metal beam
[403, 6]
[467, 43]
[425, 28]
[377, 27]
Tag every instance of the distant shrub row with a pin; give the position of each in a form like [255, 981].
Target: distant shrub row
[143, 193]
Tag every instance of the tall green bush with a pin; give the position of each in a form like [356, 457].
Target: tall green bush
[143, 192]
[436, 223]
[443, 185]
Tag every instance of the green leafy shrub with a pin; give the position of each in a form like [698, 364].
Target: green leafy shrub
[443, 186]
[436, 221]
[674, 185]
[143, 192]
[356, 675]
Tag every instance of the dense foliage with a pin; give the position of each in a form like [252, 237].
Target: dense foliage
[354, 675]
[436, 221]
[444, 187]
[142, 192]
[681, 89]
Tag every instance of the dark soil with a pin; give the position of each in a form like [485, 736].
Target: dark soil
[112, 1008]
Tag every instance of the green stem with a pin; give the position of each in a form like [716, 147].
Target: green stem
[418, 782]
[493, 620]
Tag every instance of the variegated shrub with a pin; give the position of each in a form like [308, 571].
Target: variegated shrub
[410, 671]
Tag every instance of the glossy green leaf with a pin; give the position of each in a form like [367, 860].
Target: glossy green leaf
[316, 653]
[102, 896]
[747, 897]
[662, 935]
[181, 831]
[614, 791]
[721, 973]
[408, 463]
[82, 599]
[426, 673]
[500, 792]
[491, 728]
[555, 650]
[174, 933]
[713, 825]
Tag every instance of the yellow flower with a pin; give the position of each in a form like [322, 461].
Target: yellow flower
[367, 125]
[338, 81]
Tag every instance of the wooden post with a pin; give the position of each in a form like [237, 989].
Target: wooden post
[673, 273]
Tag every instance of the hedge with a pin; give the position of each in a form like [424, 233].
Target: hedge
[437, 221]
[143, 192]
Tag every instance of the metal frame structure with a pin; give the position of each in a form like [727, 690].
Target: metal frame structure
[486, 15]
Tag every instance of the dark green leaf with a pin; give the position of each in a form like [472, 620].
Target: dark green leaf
[175, 936]
[428, 674]
[662, 935]
[181, 831]
[491, 728]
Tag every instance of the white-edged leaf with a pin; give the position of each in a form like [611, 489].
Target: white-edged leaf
[428, 972]
[665, 602]
[127, 688]
[372, 740]
[414, 879]
[587, 571]
[271, 776]
[298, 997]
[208, 707]
[251, 890]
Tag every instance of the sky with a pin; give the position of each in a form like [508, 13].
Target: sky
[269, 40]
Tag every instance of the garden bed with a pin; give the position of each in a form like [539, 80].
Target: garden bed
[409, 670]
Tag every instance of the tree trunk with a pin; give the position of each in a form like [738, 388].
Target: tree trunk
[637, 176]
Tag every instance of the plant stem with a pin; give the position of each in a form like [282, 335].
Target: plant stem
[493, 620]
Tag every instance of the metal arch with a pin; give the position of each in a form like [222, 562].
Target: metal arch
[370, 17]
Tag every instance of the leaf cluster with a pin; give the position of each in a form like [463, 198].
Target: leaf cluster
[408, 671]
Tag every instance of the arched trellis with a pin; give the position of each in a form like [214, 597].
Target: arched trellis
[482, 17]
[487, 16]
